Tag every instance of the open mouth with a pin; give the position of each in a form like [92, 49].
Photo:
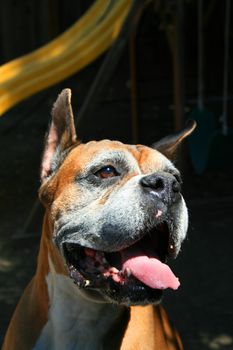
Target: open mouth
[139, 265]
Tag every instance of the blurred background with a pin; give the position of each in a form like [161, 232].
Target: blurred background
[138, 70]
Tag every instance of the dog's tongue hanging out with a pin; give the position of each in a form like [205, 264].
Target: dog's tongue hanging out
[150, 271]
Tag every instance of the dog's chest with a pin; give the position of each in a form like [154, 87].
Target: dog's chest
[74, 322]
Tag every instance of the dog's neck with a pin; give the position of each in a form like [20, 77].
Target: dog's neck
[73, 321]
[83, 324]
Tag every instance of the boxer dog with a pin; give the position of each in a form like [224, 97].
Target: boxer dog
[114, 215]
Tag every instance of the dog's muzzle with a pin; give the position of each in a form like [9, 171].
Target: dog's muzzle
[135, 271]
[134, 275]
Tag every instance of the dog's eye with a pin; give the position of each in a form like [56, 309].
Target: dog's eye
[107, 172]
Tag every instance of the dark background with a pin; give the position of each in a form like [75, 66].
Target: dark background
[202, 308]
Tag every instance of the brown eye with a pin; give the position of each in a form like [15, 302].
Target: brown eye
[106, 172]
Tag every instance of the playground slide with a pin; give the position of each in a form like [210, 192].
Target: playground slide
[82, 43]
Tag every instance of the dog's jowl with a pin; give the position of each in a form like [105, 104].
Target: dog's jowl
[114, 215]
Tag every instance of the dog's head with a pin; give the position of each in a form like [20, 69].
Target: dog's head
[117, 211]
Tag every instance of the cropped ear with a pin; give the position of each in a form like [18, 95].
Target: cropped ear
[61, 134]
[168, 145]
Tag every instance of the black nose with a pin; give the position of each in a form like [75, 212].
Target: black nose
[163, 185]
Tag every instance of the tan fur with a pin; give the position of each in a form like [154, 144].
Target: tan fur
[147, 327]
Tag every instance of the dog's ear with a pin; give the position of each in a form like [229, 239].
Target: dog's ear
[61, 134]
[168, 145]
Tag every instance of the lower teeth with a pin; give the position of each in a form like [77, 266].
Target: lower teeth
[77, 277]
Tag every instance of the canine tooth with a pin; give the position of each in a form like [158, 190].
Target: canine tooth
[127, 272]
[87, 283]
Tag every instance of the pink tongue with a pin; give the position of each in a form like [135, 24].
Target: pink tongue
[152, 272]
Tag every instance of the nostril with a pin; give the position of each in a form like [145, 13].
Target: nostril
[154, 182]
[176, 186]
[159, 185]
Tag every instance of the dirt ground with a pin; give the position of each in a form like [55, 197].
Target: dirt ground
[202, 308]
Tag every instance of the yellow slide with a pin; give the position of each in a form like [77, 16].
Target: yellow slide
[82, 43]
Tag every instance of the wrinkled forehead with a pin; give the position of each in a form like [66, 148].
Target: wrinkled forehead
[135, 158]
